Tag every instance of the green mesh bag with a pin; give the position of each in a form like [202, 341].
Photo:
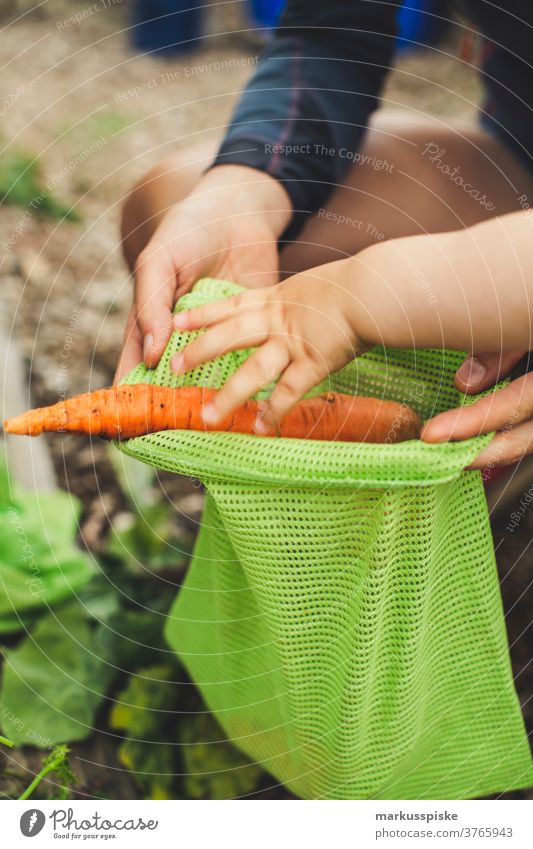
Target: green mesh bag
[342, 614]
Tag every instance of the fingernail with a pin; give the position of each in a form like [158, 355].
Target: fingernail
[210, 415]
[147, 345]
[431, 434]
[263, 423]
[472, 371]
[180, 320]
[176, 363]
[260, 426]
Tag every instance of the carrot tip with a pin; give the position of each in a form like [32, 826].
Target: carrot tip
[16, 424]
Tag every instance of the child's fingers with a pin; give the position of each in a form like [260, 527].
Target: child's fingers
[241, 331]
[295, 381]
[503, 409]
[209, 314]
[206, 316]
[260, 369]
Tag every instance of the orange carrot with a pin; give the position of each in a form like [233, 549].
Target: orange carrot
[122, 412]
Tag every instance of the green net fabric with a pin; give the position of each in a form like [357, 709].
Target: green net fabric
[342, 614]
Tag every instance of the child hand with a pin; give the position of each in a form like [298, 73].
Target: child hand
[302, 330]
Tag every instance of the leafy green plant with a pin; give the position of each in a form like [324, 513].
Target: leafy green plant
[100, 125]
[56, 762]
[148, 538]
[106, 645]
[172, 745]
[53, 682]
[134, 638]
[40, 564]
[213, 768]
[21, 184]
[150, 542]
[146, 711]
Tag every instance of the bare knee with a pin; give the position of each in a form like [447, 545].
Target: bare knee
[167, 183]
[456, 174]
[396, 190]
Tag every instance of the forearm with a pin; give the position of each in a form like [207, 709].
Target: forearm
[467, 290]
[308, 103]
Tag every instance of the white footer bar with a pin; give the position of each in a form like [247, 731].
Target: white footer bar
[268, 824]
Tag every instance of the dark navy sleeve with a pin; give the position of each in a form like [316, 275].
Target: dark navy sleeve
[304, 112]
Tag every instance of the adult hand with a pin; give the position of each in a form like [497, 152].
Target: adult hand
[509, 411]
[227, 227]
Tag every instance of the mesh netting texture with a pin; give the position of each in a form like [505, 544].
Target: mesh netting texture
[342, 613]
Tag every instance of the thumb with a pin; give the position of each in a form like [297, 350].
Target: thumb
[155, 293]
[131, 354]
[480, 371]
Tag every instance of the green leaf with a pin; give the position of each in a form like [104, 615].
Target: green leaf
[17, 622]
[150, 542]
[213, 767]
[53, 682]
[153, 767]
[135, 479]
[134, 638]
[21, 185]
[99, 598]
[5, 485]
[146, 710]
[152, 689]
[40, 564]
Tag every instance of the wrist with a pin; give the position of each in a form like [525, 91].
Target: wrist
[364, 276]
[249, 191]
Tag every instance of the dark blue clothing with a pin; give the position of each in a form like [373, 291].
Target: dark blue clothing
[307, 106]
